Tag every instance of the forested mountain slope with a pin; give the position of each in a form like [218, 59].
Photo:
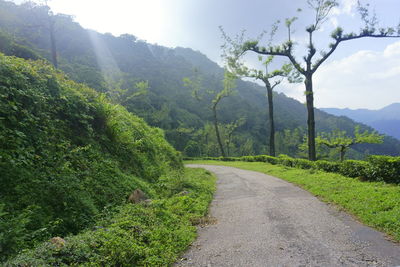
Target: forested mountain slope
[67, 153]
[115, 64]
[385, 120]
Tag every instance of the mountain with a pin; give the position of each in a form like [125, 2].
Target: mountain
[385, 120]
[114, 65]
[67, 154]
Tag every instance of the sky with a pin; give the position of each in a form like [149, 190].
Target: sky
[360, 74]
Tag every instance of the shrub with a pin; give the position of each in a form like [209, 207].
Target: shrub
[328, 166]
[227, 158]
[135, 235]
[66, 152]
[271, 160]
[285, 160]
[303, 163]
[353, 168]
[377, 168]
[384, 168]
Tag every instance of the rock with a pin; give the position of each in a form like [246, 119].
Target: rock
[137, 196]
[184, 193]
[147, 202]
[58, 242]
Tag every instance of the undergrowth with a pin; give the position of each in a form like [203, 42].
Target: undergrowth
[135, 234]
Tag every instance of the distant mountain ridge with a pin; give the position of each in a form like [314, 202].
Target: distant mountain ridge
[106, 62]
[385, 120]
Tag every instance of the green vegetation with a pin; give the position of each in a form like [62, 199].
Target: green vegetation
[135, 235]
[374, 203]
[314, 58]
[69, 160]
[167, 103]
[233, 55]
[376, 168]
[342, 142]
[71, 155]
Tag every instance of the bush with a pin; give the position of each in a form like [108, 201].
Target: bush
[303, 164]
[227, 159]
[135, 235]
[353, 168]
[384, 168]
[377, 168]
[66, 153]
[285, 160]
[327, 166]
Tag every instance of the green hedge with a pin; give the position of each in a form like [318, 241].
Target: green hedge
[375, 168]
[384, 168]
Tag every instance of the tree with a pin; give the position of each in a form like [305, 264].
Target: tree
[230, 128]
[48, 25]
[228, 85]
[322, 9]
[339, 140]
[121, 96]
[233, 55]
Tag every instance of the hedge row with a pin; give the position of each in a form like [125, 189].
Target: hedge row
[375, 168]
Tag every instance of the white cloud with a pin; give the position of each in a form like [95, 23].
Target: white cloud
[392, 50]
[334, 21]
[366, 79]
[346, 7]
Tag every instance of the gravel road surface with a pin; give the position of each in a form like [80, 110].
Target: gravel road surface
[260, 220]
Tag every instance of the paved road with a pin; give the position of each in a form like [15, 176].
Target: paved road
[264, 221]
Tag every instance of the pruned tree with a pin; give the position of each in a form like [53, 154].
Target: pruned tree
[233, 55]
[341, 141]
[322, 9]
[227, 90]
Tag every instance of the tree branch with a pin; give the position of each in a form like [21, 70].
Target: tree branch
[349, 37]
[275, 51]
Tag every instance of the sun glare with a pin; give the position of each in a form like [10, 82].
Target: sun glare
[143, 18]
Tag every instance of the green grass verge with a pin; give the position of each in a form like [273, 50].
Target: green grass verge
[135, 235]
[374, 203]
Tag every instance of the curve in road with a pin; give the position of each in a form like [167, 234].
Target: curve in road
[261, 220]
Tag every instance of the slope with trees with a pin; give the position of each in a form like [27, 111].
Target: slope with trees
[116, 65]
[66, 153]
[385, 120]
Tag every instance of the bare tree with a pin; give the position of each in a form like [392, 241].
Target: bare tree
[233, 55]
[228, 85]
[322, 9]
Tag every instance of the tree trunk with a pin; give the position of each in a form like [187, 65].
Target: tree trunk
[310, 118]
[228, 143]
[221, 147]
[53, 43]
[342, 152]
[271, 121]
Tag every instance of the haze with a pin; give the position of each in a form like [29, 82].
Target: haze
[360, 74]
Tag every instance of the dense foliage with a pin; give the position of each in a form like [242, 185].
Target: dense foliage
[66, 153]
[107, 64]
[135, 235]
[375, 168]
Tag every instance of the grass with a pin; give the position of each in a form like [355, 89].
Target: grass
[373, 203]
[152, 234]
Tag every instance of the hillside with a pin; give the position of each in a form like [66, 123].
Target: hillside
[111, 64]
[385, 120]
